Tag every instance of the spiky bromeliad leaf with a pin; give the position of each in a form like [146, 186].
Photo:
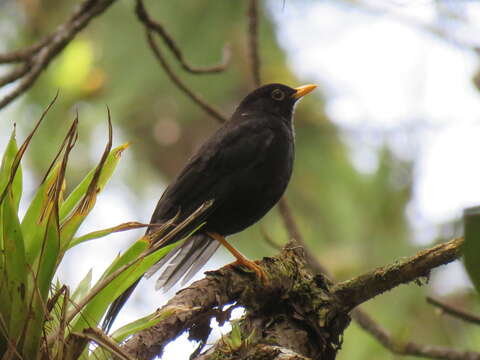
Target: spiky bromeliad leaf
[45, 270]
[82, 199]
[15, 272]
[79, 204]
[102, 233]
[132, 328]
[14, 290]
[82, 289]
[123, 272]
[35, 220]
[6, 171]
[45, 262]
[471, 250]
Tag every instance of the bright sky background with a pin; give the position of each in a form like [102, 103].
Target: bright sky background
[385, 81]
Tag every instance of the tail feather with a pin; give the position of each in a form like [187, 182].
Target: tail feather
[191, 255]
[202, 259]
[183, 261]
[116, 306]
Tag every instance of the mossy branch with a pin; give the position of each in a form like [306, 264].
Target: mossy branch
[297, 310]
[353, 292]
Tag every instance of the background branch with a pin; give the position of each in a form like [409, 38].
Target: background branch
[37, 57]
[160, 30]
[252, 36]
[209, 109]
[408, 347]
[453, 311]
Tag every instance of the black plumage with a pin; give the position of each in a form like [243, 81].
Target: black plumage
[244, 167]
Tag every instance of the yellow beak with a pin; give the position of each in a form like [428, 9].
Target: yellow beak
[303, 90]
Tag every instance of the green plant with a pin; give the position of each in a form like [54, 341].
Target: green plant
[40, 318]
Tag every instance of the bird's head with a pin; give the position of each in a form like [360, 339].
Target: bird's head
[275, 99]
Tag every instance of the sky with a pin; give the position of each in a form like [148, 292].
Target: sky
[386, 81]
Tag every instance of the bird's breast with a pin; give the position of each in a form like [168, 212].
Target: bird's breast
[257, 189]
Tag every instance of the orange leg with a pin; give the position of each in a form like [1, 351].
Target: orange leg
[242, 260]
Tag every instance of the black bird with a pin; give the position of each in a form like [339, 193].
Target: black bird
[244, 167]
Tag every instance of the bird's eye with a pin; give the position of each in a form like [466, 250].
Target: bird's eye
[278, 95]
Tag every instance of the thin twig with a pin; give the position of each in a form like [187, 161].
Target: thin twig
[209, 109]
[40, 55]
[172, 45]
[289, 222]
[24, 54]
[295, 234]
[453, 311]
[268, 239]
[15, 74]
[253, 51]
[408, 347]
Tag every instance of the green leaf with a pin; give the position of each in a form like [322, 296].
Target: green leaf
[44, 269]
[6, 169]
[98, 304]
[35, 220]
[82, 289]
[471, 251]
[14, 290]
[79, 203]
[129, 329]
[140, 324]
[101, 233]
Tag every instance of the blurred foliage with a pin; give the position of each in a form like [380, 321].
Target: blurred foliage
[352, 220]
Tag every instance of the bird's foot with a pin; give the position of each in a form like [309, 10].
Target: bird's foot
[261, 274]
[241, 260]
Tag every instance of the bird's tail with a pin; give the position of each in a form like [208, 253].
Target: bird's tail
[183, 261]
[116, 306]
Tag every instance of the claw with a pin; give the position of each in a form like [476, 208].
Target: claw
[260, 273]
[241, 260]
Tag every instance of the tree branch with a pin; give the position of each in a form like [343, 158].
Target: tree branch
[37, 57]
[209, 109]
[292, 292]
[353, 292]
[451, 310]
[408, 347]
[174, 48]
[252, 15]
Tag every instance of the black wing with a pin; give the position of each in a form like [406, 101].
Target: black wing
[211, 172]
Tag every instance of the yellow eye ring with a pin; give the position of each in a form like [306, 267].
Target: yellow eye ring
[278, 95]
